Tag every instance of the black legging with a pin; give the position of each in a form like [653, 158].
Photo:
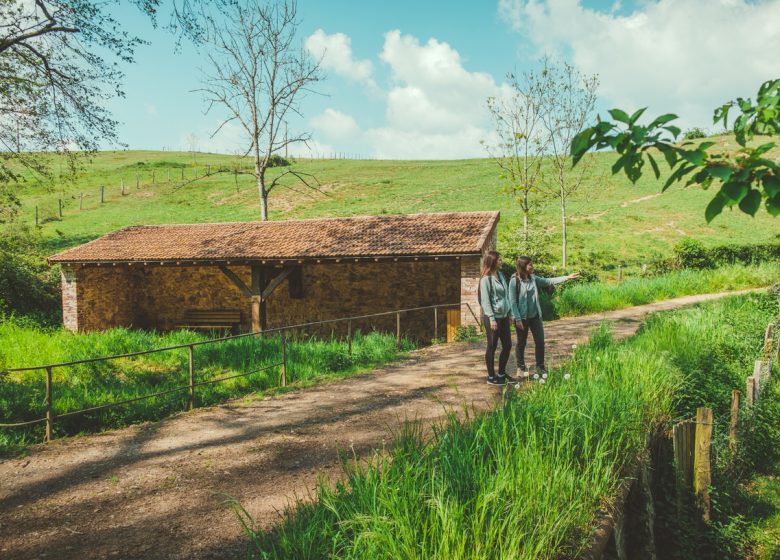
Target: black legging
[503, 334]
[535, 325]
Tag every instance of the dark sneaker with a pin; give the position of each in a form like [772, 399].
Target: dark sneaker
[496, 380]
[511, 380]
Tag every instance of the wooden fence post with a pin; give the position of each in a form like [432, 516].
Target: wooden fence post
[702, 475]
[435, 323]
[60, 205]
[453, 322]
[734, 420]
[191, 371]
[182, 172]
[102, 194]
[757, 376]
[154, 181]
[683, 442]
[81, 201]
[750, 390]
[398, 331]
[49, 406]
[284, 359]
[349, 336]
[122, 183]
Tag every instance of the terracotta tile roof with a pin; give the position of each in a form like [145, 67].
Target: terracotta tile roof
[389, 235]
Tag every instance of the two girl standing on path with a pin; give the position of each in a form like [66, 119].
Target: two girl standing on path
[518, 301]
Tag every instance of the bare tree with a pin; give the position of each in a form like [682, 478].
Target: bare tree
[59, 64]
[521, 143]
[569, 101]
[259, 74]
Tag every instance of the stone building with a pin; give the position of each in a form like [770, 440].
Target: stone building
[270, 274]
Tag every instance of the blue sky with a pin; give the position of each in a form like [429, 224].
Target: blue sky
[410, 79]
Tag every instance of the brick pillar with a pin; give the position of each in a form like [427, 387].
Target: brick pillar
[70, 309]
[469, 281]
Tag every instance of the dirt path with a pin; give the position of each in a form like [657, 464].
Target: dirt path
[157, 490]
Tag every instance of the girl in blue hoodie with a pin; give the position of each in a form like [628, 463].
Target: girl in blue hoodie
[527, 312]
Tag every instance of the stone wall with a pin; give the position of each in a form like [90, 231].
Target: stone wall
[158, 296]
[98, 297]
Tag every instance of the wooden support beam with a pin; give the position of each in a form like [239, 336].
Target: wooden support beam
[701, 460]
[236, 280]
[273, 284]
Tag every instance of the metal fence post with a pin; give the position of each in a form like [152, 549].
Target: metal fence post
[398, 331]
[49, 406]
[284, 358]
[435, 323]
[349, 336]
[191, 367]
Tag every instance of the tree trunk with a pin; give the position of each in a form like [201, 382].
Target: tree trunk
[263, 194]
[564, 247]
[526, 211]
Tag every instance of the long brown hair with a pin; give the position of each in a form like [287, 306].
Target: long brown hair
[522, 267]
[490, 262]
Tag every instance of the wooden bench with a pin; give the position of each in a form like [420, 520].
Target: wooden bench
[211, 320]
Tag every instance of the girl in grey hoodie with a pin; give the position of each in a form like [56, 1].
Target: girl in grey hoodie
[527, 312]
[496, 318]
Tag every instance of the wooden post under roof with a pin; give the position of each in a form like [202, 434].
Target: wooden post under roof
[261, 288]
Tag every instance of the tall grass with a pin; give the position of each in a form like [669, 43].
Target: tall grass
[88, 385]
[582, 299]
[524, 481]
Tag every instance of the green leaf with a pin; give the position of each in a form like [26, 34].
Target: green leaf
[773, 205]
[581, 144]
[620, 116]
[714, 208]
[636, 115]
[663, 119]
[669, 152]
[771, 185]
[696, 157]
[751, 203]
[654, 165]
[734, 191]
[675, 130]
[720, 171]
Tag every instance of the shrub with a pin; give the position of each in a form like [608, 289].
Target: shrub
[691, 253]
[694, 133]
[278, 161]
[27, 284]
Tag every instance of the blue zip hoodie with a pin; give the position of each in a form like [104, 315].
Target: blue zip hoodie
[493, 296]
[519, 292]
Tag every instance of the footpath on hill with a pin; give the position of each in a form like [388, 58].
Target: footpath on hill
[158, 490]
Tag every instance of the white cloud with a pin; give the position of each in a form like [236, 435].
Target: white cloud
[336, 54]
[681, 56]
[335, 125]
[435, 107]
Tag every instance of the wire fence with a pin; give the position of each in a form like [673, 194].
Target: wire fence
[49, 419]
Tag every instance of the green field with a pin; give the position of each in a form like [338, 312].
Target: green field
[612, 221]
[527, 479]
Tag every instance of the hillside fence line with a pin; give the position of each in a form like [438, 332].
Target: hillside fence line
[692, 451]
[451, 318]
[57, 207]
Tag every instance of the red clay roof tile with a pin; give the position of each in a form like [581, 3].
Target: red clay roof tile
[388, 235]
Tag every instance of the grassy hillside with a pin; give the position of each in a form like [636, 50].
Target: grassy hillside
[610, 218]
